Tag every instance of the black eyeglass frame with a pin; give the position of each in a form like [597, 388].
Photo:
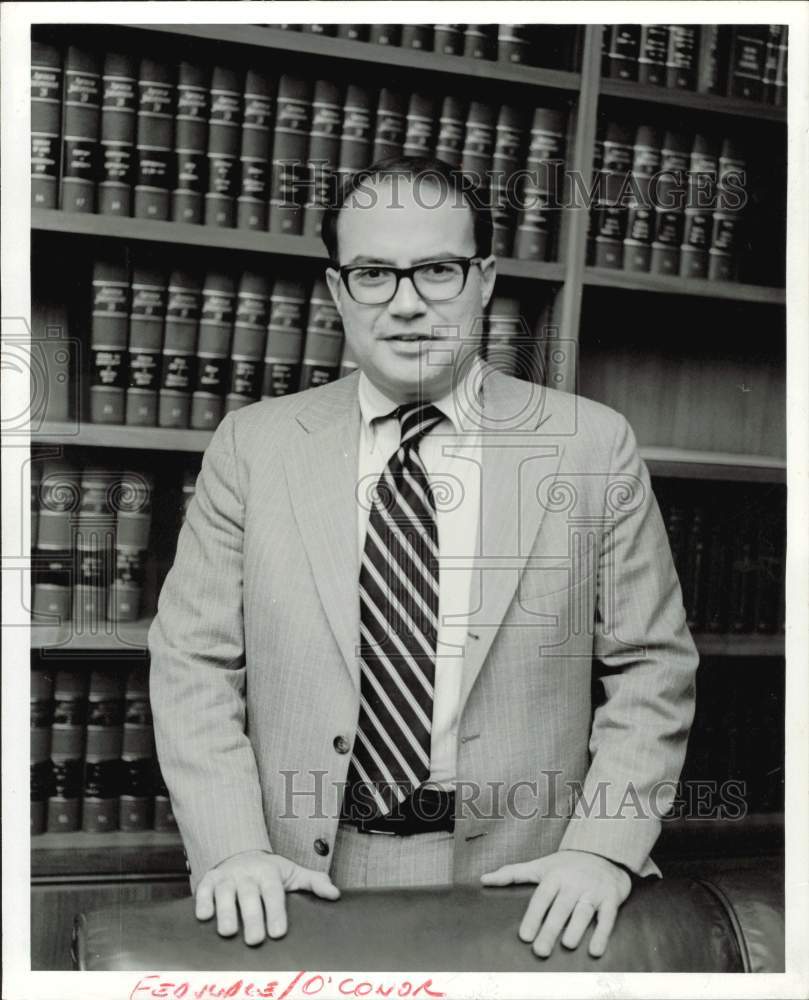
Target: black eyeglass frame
[408, 272]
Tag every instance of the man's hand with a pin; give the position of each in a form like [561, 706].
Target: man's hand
[574, 886]
[258, 882]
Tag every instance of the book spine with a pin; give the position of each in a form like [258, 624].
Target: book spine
[385, 34]
[770, 553]
[213, 350]
[747, 55]
[612, 208]
[102, 760]
[699, 208]
[58, 499]
[46, 121]
[155, 140]
[389, 127]
[622, 58]
[742, 576]
[513, 43]
[224, 140]
[448, 39]
[190, 144]
[420, 128]
[323, 346]
[324, 152]
[770, 67]
[417, 36]
[653, 49]
[94, 541]
[164, 821]
[640, 215]
[249, 340]
[285, 333]
[137, 757]
[712, 58]
[178, 364]
[716, 583]
[670, 195]
[355, 139]
[780, 85]
[67, 751]
[608, 30]
[478, 147]
[330, 30]
[596, 195]
[544, 165]
[56, 355]
[41, 722]
[727, 219]
[681, 61]
[254, 193]
[80, 114]
[694, 579]
[451, 128]
[108, 341]
[290, 145]
[132, 526]
[480, 41]
[146, 322]
[353, 32]
[118, 119]
[506, 193]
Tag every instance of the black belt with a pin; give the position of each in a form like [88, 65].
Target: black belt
[427, 810]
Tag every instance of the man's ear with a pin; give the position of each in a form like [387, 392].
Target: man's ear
[488, 274]
[333, 281]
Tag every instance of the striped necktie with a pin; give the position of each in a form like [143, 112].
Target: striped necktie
[398, 629]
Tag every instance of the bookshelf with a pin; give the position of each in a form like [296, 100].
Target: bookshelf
[574, 290]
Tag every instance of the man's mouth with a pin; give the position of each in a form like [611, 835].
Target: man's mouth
[407, 337]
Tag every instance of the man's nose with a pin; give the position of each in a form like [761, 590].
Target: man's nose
[407, 301]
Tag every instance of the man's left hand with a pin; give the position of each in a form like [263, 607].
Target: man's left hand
[574, 887]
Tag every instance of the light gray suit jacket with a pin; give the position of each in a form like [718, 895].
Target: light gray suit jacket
[255, 670]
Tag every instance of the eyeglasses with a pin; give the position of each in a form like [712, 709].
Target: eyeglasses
[434, 280]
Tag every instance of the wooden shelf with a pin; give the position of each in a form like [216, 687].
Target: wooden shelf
[117, 853]
[683, 463]
[122, 436]
[713, 104]
[124, 639]
[372, 54]
[748, 644]
[603, 277]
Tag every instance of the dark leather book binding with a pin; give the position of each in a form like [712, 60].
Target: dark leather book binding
[146, 322]
[58, 502]
[249, 340]
[513, 43]
[80, 122]
[67, 751]
[109, 331]
[699, 207]
[323, 346]
[356, 135]
[213, 350]
[421, 125]
[133, 520]
[670, 203]
[385, 34]
[537, 222]
[510, 133]
[353, 32]
[728, 217]
[652, 52]
[448, 39]
[285, 333]
[119, 108]
[640, 220]
[324, 153]
[224, 142]
[623, 53]
[136, 800]
[389, 125]
[681, 60]
[46, 124]
[256, 140]
[178, 362]
[612, 209]
[748, 48]
[451, 128]
[41, 722]
[290, 145]
[190, 143]
[94, 544]
[480, 41]
[102, 759]
[155, 139]
[417, 36]
[478, 147]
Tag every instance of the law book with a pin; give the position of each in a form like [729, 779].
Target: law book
[285, 334]
[249, 340]
[41, 722]
[389, 124]
[80, 123]
[448, 39]
[623, 52]
[451, 128]
[537, 221]
[478, 147]
[681, 59]
[596, 194]
[640, 220]
[46, 124]
[693, 580]
[513, 43]
[348, 360]
[290, 145]
[742, 573]
[714, 52]
[164, 821]
[652, 52]
[94, 545]
[676, 531]
[146, 322]
[190, 143]
[58, 502]
[420, 125]
[718, 568]
[699, 207]
[480, 41]
[727, 219]
[356, 135]
[256, 139]
[54, 377]
[133, 520]
[507, 158]
[607, 31]
[224, 142]
[324, 153]
[330, 30]
[155, 139]
[748, 44]
[612, 209]
[323, 345]
[67, 751]
[109, 331]
[102, 758]
[353, 32]
[770, 69]
[770, 563]
[136, 800]
[669, 214]
[417, 36]
[36, 485]
[385, 34]
[505, 335]
[178, 361]
[119, 107]
[213, 350]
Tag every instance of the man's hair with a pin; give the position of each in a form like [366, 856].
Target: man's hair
[452, 182]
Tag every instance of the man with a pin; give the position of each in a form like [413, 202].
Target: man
[372, 656]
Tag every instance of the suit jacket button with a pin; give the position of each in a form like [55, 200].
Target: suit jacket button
[321, 847]
[341, 744]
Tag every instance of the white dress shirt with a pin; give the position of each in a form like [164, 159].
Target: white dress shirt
[450, 454]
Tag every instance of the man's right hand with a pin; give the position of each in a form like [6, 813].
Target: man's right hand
[258, 882]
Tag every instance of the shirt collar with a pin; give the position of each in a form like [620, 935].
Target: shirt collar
[454, 404]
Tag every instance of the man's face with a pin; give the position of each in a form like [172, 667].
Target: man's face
[394, 223]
